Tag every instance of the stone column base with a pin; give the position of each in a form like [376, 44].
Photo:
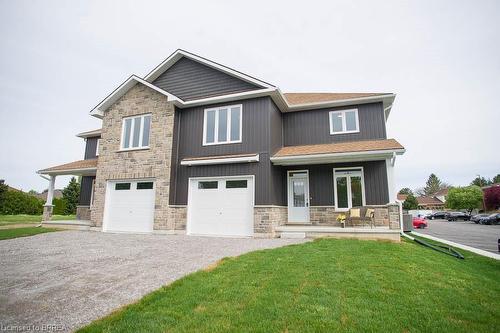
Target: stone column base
[83, 213]
[47, 212]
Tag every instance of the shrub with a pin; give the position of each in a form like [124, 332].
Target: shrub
[59, 206]
[71, 193]
[492, 198]
[17, 202]
[410, 202]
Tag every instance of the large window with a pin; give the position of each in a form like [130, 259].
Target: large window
[349, 187]
[222, 125]
[135, 132]
[345, 121]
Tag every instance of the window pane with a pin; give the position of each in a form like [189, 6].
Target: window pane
[126, 133]
[341, 192]
[207, 185]
[145, 133]
[336, 122]
[350, 121]
[222, 131]
[299, 198]
[137, 132]
[122, 186]
[236, 184]
[210, 133]
[145, 185]
[235, 123]
[356, 192]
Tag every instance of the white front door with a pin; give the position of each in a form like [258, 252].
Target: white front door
[349, 188]
[221, 206]
[298, 196]
[129, 206]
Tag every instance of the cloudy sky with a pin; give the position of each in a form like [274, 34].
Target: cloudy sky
[60, 58]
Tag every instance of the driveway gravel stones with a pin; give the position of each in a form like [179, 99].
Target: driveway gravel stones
[71, 278]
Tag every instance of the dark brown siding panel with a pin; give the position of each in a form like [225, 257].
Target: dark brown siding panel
[86, 190]
[262, 194]
[313, 126]
[90, 148]
[190, 80]
[321, 182]
[175, 157]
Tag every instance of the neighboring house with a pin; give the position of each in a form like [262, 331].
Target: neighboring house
[441, 195]
[201, 148]
[430, 203]
[57, 194]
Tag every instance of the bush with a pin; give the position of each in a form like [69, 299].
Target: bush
[59, 206]
[410, 202]
[492, 198]
[71, 193]
[17, 202]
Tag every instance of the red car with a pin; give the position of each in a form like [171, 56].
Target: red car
[419, 223]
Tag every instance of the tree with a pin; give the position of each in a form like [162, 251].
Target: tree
[481, 181]
[469, 197]
[32, 192]
[410, 202]
[496, 179]
[432, 185]
[492, 198]
[71, 193]
[3, 190]
[405, 190]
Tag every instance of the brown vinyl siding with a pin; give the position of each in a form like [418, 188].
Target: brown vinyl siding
[313, 126]
[86, 190]
[189, 79]
[91, 147]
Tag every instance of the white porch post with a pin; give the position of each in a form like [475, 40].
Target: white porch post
[48, 207]
[390, 178]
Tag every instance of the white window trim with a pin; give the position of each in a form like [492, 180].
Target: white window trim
[349, 194]
[216, 131]
[131, 138]
[97, 147]
[344, 125]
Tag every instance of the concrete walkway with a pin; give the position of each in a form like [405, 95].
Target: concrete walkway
[71, 278]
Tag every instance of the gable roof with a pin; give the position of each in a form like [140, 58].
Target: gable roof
[285, 102]
[428, 201]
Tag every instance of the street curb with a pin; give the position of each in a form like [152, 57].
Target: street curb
[460, 246]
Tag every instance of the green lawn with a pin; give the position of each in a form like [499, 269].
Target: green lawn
[23, 232]
[325, 286]
[18, 219]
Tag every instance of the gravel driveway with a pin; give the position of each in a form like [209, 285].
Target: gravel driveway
[73, 277]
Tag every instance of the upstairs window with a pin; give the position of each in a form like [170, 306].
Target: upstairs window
[135, 132]
[222, 125]
[345, 121]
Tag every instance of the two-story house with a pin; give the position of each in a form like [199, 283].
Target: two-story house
[199, 148]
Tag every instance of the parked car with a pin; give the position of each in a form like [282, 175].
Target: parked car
[477, 217]
[419, 223]
[455, 216]
[437, 215]
[492, 219]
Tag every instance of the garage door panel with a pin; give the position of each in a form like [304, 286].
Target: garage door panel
[129, 209]
[221, 211]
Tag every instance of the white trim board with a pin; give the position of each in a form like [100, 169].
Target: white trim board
[460, 246]
[225, 160]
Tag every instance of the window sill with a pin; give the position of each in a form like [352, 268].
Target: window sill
[131, 149]
[348, 132]
[221, 143]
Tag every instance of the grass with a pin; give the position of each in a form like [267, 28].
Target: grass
[324, 286]
[21, 218]
[23, 232]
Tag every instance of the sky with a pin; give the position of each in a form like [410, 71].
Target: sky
[59, 59]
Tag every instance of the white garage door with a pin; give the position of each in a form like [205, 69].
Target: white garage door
[221, 206]
[129, 206]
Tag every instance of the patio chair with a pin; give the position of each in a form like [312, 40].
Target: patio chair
[361, 216]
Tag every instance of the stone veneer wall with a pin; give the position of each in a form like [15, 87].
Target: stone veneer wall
[266, 218]
[83, 213]
[154, 162]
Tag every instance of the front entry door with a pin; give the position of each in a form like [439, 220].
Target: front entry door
[298, 197]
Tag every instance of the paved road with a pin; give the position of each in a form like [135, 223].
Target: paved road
[70, 278]
[484, 237]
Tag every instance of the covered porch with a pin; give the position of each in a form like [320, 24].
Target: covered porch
[86, 171]
[340, 190]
